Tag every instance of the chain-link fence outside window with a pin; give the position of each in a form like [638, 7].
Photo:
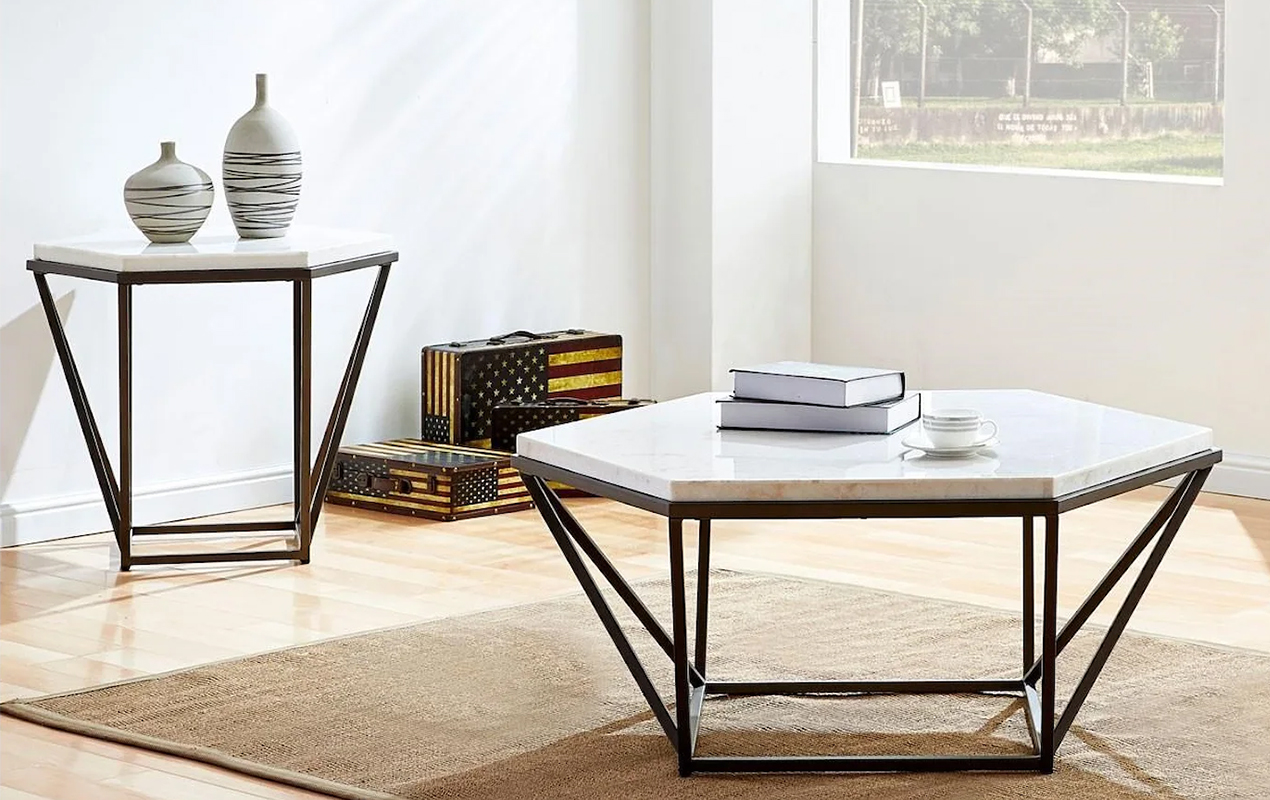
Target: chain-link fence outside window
[1127, 86]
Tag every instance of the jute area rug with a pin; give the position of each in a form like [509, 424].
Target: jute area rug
[534, 701]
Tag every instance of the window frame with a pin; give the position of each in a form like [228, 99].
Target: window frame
[833, 72]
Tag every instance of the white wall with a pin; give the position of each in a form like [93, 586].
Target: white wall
[762, 183]
[682, 140]
[1154, 296]
[504, 145]
[731, 157]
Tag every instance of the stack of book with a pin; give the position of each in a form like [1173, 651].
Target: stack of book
[798, 396]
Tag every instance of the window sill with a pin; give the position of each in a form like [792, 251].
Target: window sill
[1139, 177]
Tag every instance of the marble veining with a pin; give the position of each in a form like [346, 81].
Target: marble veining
[1049, 446]
[301, 247]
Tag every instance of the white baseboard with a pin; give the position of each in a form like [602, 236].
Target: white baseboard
[76, 515]
[1241, 474]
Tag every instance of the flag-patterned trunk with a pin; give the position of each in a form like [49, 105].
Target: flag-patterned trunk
[424, 479]
[515, 418]
[463, 381]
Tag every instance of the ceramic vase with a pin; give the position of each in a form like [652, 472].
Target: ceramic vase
[168, 200]
[261, 170]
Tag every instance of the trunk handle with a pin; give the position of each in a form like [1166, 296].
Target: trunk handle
[529, 335]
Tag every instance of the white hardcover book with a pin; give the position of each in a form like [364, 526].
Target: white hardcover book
[817, 384]
[885, 417]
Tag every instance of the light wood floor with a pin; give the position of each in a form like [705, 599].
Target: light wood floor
[69, 621]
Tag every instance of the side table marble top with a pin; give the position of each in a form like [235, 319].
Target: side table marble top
[302, 248]
[1049, 446]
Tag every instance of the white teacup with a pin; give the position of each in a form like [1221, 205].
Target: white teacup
[957, 427]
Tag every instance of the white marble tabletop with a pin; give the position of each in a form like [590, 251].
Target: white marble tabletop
[301, 247]
[1049, 446]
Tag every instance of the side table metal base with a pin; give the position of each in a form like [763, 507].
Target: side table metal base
[1035, 687]
[311, 477]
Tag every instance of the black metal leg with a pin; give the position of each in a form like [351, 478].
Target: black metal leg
[1190, 487]
[344, 399]
[1099, 593]
[703, 595]
[1167, 521]
[87, 422]
[614, 578]
[1029, 594]
[679, 626]
[1032, 702]
[1170, 508]
[549, 506]
[1049, 643]
[123, 533]
[302, 391]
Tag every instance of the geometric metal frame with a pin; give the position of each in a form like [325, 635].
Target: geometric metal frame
[1035, 686]
[311, 478]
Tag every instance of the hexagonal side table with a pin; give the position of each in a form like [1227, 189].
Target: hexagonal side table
[299, 258]
[1055, 454]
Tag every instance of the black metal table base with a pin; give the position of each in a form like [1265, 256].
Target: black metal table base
[311, 478]
[1034, 688]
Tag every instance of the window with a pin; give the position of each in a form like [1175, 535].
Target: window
[1024, 83]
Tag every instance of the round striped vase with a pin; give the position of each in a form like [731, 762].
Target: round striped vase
[168, 200]
[261, 170]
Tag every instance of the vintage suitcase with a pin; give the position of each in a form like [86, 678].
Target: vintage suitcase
[463, 381]
[531, 415]
[425, 479]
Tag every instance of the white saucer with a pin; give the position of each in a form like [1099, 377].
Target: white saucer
[917, 441]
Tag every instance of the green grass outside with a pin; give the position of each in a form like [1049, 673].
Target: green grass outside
[1173, 154]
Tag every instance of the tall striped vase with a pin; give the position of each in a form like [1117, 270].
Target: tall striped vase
[261, 170]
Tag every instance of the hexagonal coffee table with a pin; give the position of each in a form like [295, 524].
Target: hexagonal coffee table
[1055, 454]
